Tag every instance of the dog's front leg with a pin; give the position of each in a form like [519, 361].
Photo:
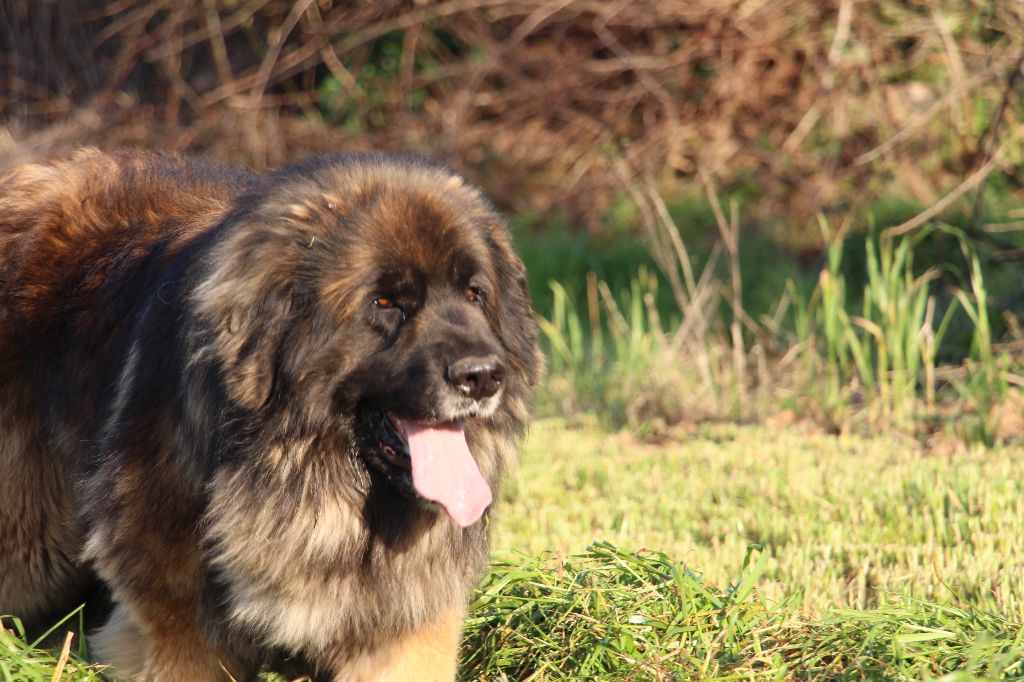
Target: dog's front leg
[428, 654]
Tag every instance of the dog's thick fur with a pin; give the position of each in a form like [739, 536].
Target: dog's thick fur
[187, 354]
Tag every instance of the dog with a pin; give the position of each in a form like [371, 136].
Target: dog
[269, 411]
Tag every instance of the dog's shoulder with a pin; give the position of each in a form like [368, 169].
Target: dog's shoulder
[64, 221]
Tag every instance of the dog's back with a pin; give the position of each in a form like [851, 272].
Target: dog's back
[66, 229]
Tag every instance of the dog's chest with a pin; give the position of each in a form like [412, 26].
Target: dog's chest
[313, 578]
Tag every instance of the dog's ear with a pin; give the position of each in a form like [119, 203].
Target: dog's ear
[515, 313]
[246, 301]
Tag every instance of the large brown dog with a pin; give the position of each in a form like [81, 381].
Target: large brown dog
[268, 411]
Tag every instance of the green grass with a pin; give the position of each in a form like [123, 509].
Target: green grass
[24, 660]
[881, 561]
[909, 344]
[609, 614]
[840, 516]
[739, 552]
[885, 345]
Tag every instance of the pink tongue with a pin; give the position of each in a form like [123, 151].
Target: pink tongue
[443, 470]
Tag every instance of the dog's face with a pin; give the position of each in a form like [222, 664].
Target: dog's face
[387, 309]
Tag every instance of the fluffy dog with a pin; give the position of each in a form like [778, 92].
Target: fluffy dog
[269, 412]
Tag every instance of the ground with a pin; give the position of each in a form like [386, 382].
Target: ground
[842, 517]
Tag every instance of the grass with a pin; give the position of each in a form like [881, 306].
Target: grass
[739, 552]
[22, 660]
[841, 517]
[609, 614]
[906, 338]
[881, 561]
[891, 346]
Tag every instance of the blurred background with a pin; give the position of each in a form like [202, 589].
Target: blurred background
[786, 210]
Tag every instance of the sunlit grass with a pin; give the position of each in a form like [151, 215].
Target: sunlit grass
[841, 517]
[26, 660]
[880, 561]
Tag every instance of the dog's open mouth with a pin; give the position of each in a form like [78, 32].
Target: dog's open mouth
[435, 458]
[393, 442]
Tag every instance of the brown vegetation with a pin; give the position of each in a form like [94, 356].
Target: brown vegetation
[822, 105]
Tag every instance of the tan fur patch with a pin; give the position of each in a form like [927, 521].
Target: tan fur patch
[429, 654]
[299, 212]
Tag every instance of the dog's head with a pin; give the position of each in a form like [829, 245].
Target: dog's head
[377, 298]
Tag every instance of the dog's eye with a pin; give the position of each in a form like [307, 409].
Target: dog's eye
[474, 295]
[384, 303]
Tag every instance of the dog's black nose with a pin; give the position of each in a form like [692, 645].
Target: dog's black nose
[476, 376]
